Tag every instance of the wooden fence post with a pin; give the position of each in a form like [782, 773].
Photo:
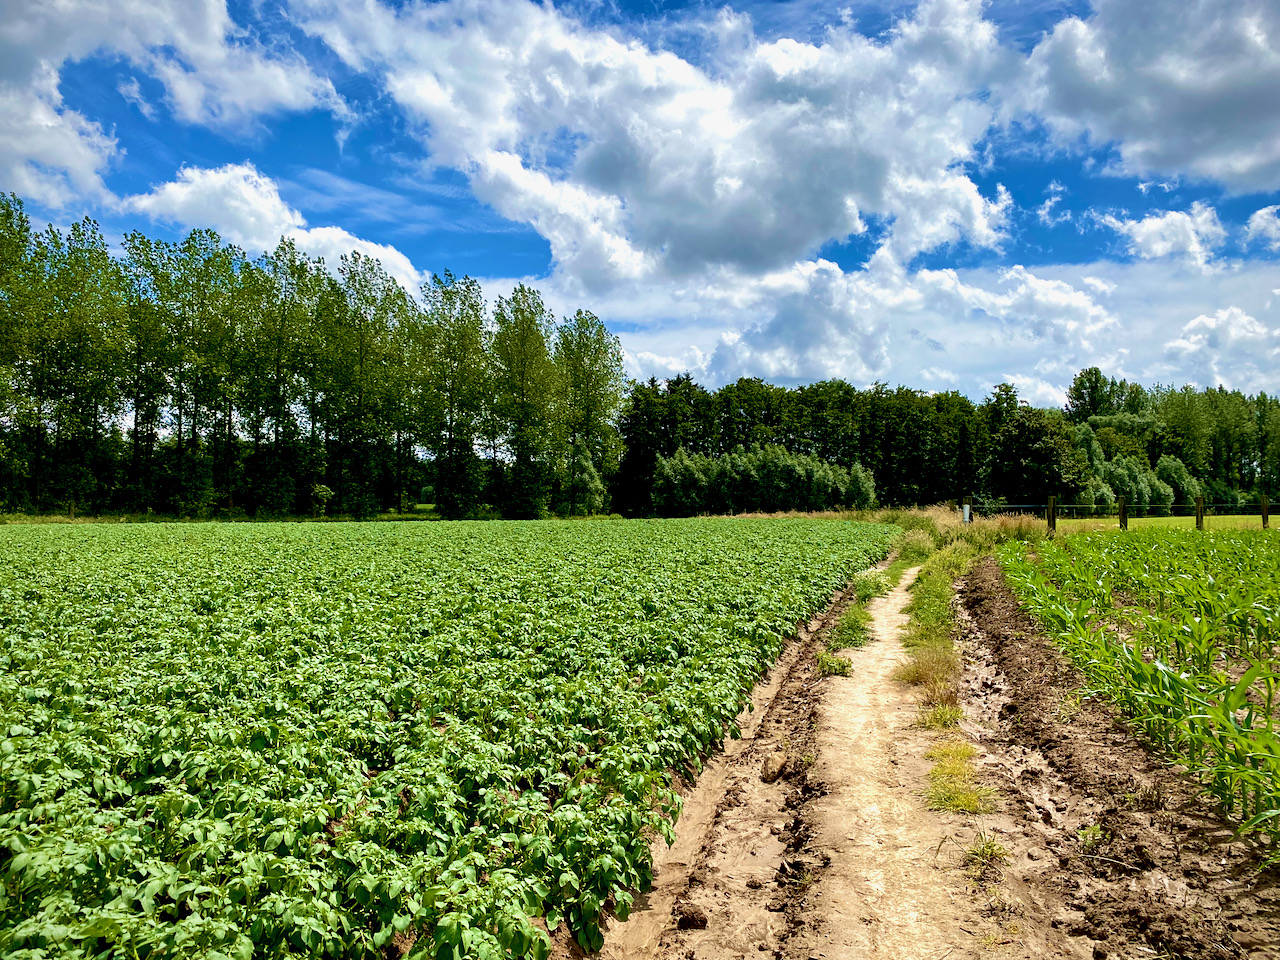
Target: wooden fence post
[1051, 514]
[1124, 513]
[1266, 510]
[1200, 513]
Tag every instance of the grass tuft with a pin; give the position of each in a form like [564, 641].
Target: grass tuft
[869, 585]
[852, 630]
[941, 717]
[953, 781]
[984, 857]
[929, 666]
[951, 751]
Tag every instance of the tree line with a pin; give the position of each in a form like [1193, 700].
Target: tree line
[1158, 447]
[189, 379]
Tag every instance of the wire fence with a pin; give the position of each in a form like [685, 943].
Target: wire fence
[1200, 514]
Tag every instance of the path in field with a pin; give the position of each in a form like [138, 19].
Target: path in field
[891, 889]
[838, 859]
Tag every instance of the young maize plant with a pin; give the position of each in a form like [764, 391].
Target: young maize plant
[1180, 631]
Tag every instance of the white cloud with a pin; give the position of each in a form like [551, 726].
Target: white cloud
[131, 90]
[213, 71]
[979, 327]
[246, 208]
[635, 163]
[1264, 225]
[814, 321]
[1230, 345]
[234, 199]
[1180, 87]
[49, 153]
[1037, 392]
[689, 200]
[1044, 212]
[1192, 236]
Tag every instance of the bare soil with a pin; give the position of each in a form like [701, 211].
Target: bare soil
[809, 837]
[1112, 845]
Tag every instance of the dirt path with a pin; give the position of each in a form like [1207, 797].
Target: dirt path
[808, 839]
[837, 857]
[886, 892]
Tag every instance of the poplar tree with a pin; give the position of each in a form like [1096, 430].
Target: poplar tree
[459, 382]
[525, 385]
[588, 360]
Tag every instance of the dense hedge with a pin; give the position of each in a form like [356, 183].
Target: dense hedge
[756, 479]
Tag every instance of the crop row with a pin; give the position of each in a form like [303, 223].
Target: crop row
[235, 741]
[1180, 630]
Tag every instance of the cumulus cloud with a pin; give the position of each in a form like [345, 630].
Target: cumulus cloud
[1037, 391]
[213, 71]
[1264, 226]
[1193, 235]
[1179, 87]
[818, 322]
[1230, 345]
[47, 152]
[247, 209]
[636, 163]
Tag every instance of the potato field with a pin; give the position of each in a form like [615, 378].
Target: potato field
[1180, 630]
[365, 740]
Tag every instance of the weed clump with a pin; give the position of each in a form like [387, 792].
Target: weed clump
[941, 717]
[830, 665]
[953, 781]
[851, 631]
[984, 857]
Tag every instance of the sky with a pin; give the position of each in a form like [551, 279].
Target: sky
[946, 194]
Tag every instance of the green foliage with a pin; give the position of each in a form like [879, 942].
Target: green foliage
[1131, 478]
[1033, 454]
[759, 479]
[831, 665]
[851, 631]
[226, 740]
[943, 716]
[1194, 664]
[584, 492]
[871, 584]
[592, 382]
[915, 546]
[526, 384]
[190, 379]
[1173, 473]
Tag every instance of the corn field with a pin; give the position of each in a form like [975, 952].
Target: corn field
[1179, 629]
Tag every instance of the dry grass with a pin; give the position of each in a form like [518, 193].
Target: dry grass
[953, 781]
[929, 666]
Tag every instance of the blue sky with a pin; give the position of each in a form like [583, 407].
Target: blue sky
[947, 194]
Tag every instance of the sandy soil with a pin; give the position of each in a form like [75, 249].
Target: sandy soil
[838, 856]
[809, 838]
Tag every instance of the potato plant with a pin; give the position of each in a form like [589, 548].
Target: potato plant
[234, 741]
